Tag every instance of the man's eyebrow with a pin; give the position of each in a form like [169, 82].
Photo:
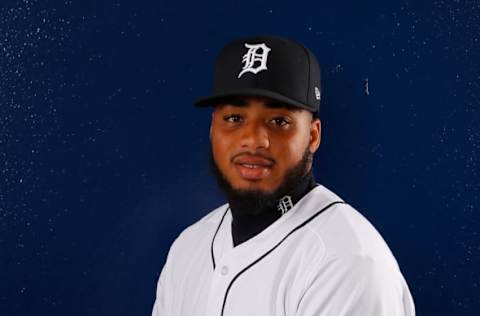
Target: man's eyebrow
[275, 104]
[278, 104]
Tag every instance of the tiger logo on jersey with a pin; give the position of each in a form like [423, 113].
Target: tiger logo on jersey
[285, 204]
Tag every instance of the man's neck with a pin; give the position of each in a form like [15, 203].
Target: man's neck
[247, 223]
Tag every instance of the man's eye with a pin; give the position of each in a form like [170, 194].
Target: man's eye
[280, 121]
[233, 118]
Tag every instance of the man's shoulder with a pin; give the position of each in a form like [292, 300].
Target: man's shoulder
[202, 229]
[344, 231]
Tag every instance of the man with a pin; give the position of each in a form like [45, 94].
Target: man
[283, 244]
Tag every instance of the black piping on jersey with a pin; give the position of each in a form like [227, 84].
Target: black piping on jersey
[269, 251]
[215, 235]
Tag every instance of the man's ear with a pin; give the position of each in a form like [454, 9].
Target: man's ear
[211, 123]
[315, 134]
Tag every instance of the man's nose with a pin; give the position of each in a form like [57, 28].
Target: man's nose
[254, 136]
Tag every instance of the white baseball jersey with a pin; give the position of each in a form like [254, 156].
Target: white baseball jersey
[321, 258]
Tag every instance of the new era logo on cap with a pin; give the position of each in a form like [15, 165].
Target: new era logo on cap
[317, 93]
[267, 66]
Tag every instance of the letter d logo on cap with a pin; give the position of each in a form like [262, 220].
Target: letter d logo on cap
[252, 56]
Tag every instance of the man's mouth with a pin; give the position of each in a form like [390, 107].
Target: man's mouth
[253, 167]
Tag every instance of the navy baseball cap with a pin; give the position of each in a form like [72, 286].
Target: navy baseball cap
[267, 66]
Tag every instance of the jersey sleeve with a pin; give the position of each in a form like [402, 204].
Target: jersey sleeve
[161, 305]
[356, 286]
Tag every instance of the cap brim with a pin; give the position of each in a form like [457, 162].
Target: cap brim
[214, 98]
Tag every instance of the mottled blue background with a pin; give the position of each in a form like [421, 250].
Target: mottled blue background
[103, 159]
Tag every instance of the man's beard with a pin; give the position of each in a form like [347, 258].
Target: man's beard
[254, 202]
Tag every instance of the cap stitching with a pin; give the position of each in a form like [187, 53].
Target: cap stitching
[309, 68]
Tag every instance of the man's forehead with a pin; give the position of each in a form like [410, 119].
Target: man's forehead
[247, 101]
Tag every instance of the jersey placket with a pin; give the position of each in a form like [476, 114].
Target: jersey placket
[226, 267]
[230, 262]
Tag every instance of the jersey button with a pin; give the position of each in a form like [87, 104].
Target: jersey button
[224, 270]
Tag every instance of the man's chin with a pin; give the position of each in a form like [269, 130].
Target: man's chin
[258, 196]
[250, 193]
[252, 188]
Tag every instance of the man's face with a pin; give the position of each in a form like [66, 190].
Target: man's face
[256, 141]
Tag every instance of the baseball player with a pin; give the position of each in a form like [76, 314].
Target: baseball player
[283, 244]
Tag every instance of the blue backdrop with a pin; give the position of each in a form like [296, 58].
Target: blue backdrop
[103, 159]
